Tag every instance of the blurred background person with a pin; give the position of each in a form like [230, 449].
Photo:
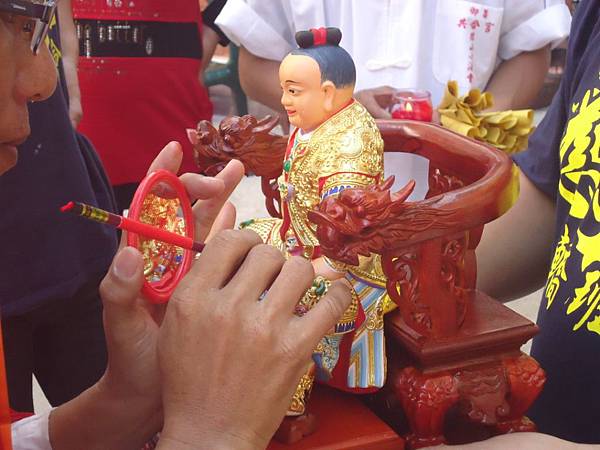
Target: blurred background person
[52, 265]
[140, 72]
[502, 46]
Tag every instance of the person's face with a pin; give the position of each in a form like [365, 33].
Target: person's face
[307, 101]
[23, 77]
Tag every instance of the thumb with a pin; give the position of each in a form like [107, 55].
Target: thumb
[120, 290]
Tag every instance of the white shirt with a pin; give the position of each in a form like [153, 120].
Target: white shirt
[31, 433]
[405, 43]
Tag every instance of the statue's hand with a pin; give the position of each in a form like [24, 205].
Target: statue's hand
[325, 270]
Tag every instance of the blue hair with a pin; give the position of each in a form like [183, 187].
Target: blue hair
[335, 63]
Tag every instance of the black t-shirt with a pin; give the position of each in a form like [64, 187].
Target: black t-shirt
[563, 160]
[45, 254]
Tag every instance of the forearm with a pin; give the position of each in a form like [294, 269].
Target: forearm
[210, 39]
[516, 82]
[514, 254]
[529, 441]
[260, 79]
[96, 419]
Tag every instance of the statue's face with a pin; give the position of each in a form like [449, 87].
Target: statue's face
[305, 99]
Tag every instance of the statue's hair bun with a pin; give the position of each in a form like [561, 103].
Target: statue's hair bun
[318, 36]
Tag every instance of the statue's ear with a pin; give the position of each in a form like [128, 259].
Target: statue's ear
[329, 91]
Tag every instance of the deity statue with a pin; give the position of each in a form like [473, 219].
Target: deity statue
[335, 145]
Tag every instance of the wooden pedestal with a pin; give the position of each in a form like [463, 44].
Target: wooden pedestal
[479, 372]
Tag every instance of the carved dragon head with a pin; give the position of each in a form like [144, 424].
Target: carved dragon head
[243, 138]
[354, 222]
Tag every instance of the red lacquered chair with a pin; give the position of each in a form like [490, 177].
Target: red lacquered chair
[453, 352]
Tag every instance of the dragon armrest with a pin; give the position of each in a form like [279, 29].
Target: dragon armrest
[243, 138]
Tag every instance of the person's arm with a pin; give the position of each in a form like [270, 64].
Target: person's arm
[97, 419]
[211, 33]
[259, 78]
[515, 250]
[210, 39]
[217, 345]
[528, 441]
[70, 59]
[517, 82]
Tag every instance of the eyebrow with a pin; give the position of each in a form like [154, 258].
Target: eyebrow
[291, 81]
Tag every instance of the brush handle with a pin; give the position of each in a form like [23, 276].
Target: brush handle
[133, 226]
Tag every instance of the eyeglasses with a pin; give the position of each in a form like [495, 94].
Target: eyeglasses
[42, 13]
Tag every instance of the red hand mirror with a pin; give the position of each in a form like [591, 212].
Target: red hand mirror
[162, 202]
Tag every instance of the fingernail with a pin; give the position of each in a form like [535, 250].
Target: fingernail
[175, 144]
[126, 263]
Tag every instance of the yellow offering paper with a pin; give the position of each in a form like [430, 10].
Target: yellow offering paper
[506, 130]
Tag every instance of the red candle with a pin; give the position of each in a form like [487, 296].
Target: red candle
[412, 105]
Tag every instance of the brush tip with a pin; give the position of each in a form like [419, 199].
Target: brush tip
[68, 207]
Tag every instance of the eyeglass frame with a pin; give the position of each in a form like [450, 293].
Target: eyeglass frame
[42, 13]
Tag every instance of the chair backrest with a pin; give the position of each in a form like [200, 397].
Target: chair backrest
[470, 184]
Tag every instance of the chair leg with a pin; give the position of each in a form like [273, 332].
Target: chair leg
[426, 399]
[526, 379]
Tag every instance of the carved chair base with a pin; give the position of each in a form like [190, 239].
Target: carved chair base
[484, 394]
[479, 373]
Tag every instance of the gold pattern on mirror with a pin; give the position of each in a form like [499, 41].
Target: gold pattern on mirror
[161, 260]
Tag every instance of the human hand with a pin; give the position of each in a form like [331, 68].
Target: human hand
[75, 111]
[123, 410]
[229, 362]
[131, 323]
[212, 210]
[376, 100]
